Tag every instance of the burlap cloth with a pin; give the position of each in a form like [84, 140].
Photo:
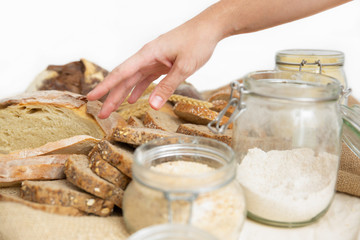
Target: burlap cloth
[349, 171]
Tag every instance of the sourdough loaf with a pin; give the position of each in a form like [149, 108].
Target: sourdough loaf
[13, 195]
[106, 171]
[119, 155]
[63, 193]
[32, 119]
[46, 167]
[77, 172]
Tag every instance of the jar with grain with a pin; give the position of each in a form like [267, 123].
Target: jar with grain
[171, 231]
[287, 140]
[327, 62]
[185, 180]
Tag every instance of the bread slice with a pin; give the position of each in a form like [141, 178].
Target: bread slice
[77, 172]
[80, 144]
[135, 122]
[13, 195]
[204, 131]
[106, 171]
[63, 193]
[197, 114]
[119, 156]
[160, 120]
[46, 167]
[138, 136]
[33, 119]
[219, 105]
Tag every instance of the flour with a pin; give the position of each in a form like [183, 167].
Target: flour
[288, 186]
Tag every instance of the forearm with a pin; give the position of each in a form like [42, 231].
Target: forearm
[230, 17]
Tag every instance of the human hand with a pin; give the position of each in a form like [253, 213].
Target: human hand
[178, 53]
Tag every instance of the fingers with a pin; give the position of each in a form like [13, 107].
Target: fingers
[117, 95]
[141, 87]
[121, 73]
[181, 70]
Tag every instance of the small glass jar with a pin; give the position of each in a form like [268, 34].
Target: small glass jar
[185, 180]
[171, 231]
[287, 139]
[327, 62]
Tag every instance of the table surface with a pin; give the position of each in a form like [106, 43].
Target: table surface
[342, 221]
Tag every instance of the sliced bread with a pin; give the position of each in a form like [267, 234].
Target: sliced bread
[13, 195]
[161, 120]
[77, 172]
[197, 114]
[138, 136]
[135, 122]
[106, 171]
[63, 193]
[46, 167]
[119, 155]
[204, 131]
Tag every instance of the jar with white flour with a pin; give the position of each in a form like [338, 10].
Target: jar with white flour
[185, 180]
[287, 140]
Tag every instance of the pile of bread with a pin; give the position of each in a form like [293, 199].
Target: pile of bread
[56, 155]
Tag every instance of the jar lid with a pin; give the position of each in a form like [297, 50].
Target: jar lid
[351, 127]
[171, 231]
[296, 56]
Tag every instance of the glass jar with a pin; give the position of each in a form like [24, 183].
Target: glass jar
[287, 139]
[327, 62]
[185, 180]
[171, 231]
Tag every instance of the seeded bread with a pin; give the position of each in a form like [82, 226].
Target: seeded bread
[219, 105]
[33, 119]
[160, 120]
[135, 122]
[13, 195]
[197, 114]
[119, 155]
[63, 193]
[106, 171]
[204, 131]
[77, 172]
[138, 136]
[46, 167]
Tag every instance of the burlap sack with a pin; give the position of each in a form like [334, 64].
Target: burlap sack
[349, 171]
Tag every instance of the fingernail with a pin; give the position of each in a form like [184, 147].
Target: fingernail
[157, 102]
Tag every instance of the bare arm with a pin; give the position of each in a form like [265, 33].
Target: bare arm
[183, 50]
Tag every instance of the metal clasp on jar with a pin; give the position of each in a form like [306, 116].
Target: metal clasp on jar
[304, 62]
[239, 105]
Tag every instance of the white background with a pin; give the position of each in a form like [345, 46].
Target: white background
[37, 33]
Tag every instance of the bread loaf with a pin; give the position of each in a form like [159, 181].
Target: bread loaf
[77, 172]
[63, 193]
[33, 119]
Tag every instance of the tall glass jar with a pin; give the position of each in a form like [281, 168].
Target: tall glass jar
[185, 180]
[327, 62]
[287, 139]
[171, 231]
